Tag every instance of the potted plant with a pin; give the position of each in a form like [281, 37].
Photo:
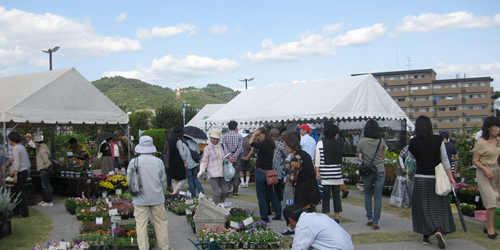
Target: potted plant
[7, 203]
[119, 182]
[70, 205]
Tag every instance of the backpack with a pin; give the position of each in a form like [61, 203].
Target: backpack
[194, 154]
[410, 165]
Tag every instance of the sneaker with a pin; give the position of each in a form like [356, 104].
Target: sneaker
[41, 203]
[48, 204]
[235, 194]
[288, 231]
[246, 185]
[242, 185]
[440, 239]
[425, 240]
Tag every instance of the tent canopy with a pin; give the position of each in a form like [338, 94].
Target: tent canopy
[496, 104]
[55, 97]
[354, 98]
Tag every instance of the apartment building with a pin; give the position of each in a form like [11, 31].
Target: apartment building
[451, 104]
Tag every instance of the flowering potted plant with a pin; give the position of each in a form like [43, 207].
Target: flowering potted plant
[118, 181]
[70, 205]
[7, 204]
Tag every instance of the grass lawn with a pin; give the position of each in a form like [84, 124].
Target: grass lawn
[27, 232]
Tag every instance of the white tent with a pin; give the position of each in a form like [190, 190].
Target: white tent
[496, 104]
[55, 97]
[348, 99]
[200, 119]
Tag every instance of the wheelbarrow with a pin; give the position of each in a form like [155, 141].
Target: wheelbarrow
[214, 245]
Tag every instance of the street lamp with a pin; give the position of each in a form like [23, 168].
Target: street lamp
[246, 80]
[49, 51]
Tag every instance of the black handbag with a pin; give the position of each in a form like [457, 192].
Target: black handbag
[367, 169]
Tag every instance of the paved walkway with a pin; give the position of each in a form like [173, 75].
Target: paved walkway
[67, 226]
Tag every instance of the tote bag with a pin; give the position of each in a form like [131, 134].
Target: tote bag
[443, 186]
[228, 170]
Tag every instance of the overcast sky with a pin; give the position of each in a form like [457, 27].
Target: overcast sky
[275, 42]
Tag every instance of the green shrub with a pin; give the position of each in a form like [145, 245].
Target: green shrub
[158, 136]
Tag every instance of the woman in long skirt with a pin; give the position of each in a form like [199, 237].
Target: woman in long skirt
[431, 213]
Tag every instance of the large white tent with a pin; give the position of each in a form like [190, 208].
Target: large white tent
[351, 100]
[55, 97]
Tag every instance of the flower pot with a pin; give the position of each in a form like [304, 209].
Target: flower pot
[118, 191]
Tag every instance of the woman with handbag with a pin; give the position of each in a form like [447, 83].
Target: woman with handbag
[302, 176]
[485, 158]
[431, 213]
[213, 157]
[262, 141]
[371, 149]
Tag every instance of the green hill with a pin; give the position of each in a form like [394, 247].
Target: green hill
[133, 94]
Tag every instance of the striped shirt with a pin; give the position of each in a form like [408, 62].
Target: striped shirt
[330, 167]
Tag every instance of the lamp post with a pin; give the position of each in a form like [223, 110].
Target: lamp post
[49, 51]
[246, 80]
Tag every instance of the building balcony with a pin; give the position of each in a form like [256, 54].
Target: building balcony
[478, 101]
[444, 102]
[481, 112]
[447, 91]
[398, 93]
[427, 103]
[448, 113]
[473, 124]
[421, 80]
[403, 104]
[414, 115]
[447, 125]
[425, 92]
[398, 82]
[475, 89]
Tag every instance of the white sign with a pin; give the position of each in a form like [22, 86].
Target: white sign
[93, 209]
[113, 211]
[116, 218]
[98, 221]
[189, 202]
[233, 224]
[248, 221]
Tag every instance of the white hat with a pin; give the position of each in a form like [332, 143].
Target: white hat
[145, 145]
[215, 133]
[38, 138]
[311, 126]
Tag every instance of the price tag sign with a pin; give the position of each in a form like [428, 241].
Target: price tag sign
[233, 224]
[189, 202]
[113, 226]
[93, 209]
[98, 220]
[110, 204]
[475, 180]
[463, 180]
[113, 211]
[116, 218]
[228, 204]
[477, 198]
[459, 175]
[247, 221]
[62, 245]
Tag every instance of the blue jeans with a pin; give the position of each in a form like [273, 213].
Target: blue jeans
[117, 163]
[374, 184]
[264, 190]
[47, 188]
[191, 175]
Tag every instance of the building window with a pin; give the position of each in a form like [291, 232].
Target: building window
[389, 89]
[424, 76]
[451, 97]
[466, 84]
[454, 85]
[402, 88]
[438, 86]
[452, 109]
[454, 120]
[481, 84]
[469, 107]
[390, 78]
[482, 107]
[414, 88]
[425, 87]
[441, 109]
[401, 77]
[401, 99]
[415, 76]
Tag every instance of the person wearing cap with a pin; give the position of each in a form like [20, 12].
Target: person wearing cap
[317, 231]
[453, 139]
[213, 156]
[313, 132]
[126, 148]
[232, 142]
[177, 159]
[245, 163]
[306, 141]
[150, 200]
[224, 131]
[30, 144]
[3, 162]
[42, 164]
[452, 152]
[20, 171]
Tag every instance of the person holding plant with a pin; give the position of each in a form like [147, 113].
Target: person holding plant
[42, 164]
[213, 156]
[150, 200]
[20, 169]
[431, 213]
[485, 157]
[262, 141]
[372, 149]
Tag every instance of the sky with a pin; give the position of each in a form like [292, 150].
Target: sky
[196, 43]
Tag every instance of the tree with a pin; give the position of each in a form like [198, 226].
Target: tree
[169, 116]
[139, 120]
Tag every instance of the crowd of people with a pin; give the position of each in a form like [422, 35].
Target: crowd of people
[303, 161]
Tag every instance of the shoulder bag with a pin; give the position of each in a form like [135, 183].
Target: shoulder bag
[443, 186]
[367, 169]
[271, 177]
[135, 179]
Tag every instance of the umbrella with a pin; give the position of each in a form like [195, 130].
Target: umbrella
[104, 136]
[459, 210]
[195, 133]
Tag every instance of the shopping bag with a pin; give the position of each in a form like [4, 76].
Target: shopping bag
[399, 195]
[228, 170]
